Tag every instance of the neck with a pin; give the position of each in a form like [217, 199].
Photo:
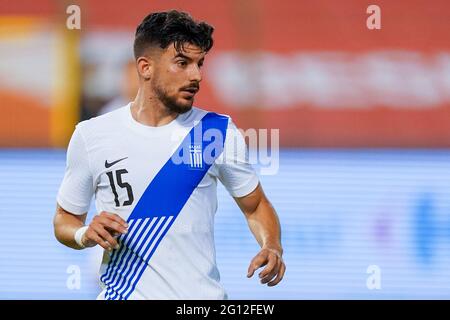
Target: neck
[149, 110]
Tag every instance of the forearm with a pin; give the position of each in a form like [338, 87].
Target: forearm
[265, 226]
[65, 226]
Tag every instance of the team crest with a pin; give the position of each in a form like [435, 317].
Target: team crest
[195, 156]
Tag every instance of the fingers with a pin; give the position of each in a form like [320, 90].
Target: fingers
[279, 277]
[106, 236]
[115, 217]
[271, 269]
[269, 274]
[104, 228]
[96, 238]
[113, 222]
[114, 227]
[273, 272]
[257, 262]
[97, 235]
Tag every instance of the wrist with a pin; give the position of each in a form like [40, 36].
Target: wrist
[79, 236]
[277, 249]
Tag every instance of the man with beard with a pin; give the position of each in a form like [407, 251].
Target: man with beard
[153, 166]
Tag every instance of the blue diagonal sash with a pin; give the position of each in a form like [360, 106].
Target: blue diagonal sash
[160, 204]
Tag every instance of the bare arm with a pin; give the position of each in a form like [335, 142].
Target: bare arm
[265, 226]
[65, 225]
[102, 230]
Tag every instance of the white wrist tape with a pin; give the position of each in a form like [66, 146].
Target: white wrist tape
[79, 235]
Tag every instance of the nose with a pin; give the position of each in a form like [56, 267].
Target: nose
[195, 73]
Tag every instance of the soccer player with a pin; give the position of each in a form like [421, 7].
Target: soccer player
[155, 180]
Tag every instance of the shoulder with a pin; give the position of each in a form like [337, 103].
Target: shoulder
[199, 113]
[105, 122]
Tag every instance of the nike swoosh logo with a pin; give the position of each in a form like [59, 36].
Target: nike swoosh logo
[108, 165]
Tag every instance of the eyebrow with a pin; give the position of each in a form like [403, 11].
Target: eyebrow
[180, 55]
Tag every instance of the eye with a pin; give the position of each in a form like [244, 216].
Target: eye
[182, 63]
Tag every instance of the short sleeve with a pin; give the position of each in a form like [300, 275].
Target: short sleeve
[233, 167]
[76, 190]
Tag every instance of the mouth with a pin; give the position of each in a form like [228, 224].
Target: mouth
[190, 90]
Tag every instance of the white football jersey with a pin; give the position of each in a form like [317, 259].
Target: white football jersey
[163, 182]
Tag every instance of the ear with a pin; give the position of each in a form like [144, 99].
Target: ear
[145, 67]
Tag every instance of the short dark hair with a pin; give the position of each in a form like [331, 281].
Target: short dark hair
[164, 28]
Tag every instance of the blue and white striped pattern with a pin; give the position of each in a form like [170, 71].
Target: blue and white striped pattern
[136, 248]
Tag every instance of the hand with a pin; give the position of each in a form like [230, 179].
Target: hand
[102, 230]
[275, 266]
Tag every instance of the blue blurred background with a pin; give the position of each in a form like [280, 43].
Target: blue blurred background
[341, 212]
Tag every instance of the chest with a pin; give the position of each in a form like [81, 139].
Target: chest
[128, 168]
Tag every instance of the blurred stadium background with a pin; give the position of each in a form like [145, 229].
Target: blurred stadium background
[364, 119]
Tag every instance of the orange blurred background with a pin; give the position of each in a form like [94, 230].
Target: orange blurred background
[310, 68]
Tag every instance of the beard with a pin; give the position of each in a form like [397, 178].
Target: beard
[170, 102]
